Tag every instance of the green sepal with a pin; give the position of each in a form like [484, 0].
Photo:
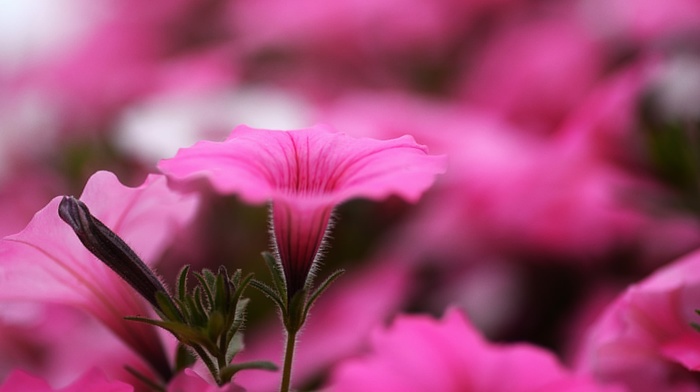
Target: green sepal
[236, 277]
[209, 277]
[222, 293]
[181, 290]
[206, 320]
[205, 286]
[297, 306]
[167, 307]
[271, 293]
[235, 321]
[241, 284]
[197, 315]
[320, 290]
[278, 279]
[216, 325]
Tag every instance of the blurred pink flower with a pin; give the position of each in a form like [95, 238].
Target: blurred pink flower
[342, 320]
[605, 123]
[534, 72]
[644, 339]
[418, 353]
[351, 26]
[91, 381]
[305, 174]
[189, 381]
[324, 48]
[121, 58]
[58, 343]
[46, 262]
[640, 21]
[24, 189]
[507, 192]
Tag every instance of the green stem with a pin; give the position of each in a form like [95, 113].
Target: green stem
[208, 362]
[288, 359]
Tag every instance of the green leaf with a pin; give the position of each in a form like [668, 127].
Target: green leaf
[205, 288]
[229, 371]
[181, 290]
[184, 333]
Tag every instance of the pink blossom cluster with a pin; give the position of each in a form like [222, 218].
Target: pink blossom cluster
[512, 187]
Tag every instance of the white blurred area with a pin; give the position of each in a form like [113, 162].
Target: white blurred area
[156, 128]
[32, 31]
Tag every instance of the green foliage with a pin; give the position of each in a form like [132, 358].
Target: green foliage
[207, 319]
[295, 310]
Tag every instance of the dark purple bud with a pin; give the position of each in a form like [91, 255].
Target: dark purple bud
[110, 249]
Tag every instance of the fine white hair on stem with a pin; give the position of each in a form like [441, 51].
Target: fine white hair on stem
[323, 248]
[272, 239]
[318, 256]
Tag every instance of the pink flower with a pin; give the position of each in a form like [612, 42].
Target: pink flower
[644, 338]
[558, 63]
[506, 193]
[91, 381]
[418, 353]
[305, 174]
[46, 261]
[58, 343]
[331, 47]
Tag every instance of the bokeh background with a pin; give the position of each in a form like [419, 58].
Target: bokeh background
[571, 129]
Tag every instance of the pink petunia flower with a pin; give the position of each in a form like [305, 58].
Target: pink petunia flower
[644, 339]
[419, 354]
[46, 262]
[305, 173]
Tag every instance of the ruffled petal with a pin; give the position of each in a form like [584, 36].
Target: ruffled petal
[46, 261]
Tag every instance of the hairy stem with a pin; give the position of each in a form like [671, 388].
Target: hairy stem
[288, 359]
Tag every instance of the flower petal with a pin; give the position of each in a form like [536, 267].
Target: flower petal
[46, 261]
[418, 353]
[90, 381]
[313, 165]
